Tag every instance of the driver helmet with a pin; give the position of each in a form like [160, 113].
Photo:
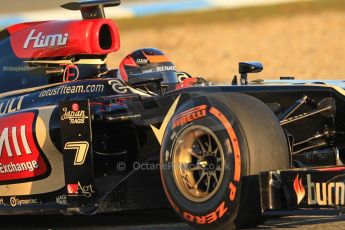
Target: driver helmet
[147, 60]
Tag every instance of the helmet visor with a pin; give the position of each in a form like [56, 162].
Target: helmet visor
[169, 77]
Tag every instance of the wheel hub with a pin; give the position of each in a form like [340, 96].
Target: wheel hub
[209, 163]
[198, 158]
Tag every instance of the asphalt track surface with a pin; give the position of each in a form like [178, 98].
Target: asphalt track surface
[154, 220]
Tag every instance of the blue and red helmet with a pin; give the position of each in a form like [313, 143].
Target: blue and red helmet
[147, 60]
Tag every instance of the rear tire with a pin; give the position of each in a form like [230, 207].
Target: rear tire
[212, 151]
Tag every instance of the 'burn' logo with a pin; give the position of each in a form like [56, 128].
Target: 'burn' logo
[299, 189]
[328, 193]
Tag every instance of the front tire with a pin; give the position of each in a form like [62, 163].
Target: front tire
[212, 151]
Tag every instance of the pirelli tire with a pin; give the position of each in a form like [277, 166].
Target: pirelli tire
[211, 154]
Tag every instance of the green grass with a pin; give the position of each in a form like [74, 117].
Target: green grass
[232, 15]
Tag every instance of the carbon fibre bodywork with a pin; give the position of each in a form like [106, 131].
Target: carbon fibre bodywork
[76, 139]
[121, 133]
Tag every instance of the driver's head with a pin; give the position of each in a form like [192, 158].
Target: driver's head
[147, 60]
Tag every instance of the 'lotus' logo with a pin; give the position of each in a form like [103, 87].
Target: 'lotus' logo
[299, 189]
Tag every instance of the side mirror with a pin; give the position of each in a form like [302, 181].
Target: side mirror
[248, 67]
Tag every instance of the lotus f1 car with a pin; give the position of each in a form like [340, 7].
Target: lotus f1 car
[76, 139]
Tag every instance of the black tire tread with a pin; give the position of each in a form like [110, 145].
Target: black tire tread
[267, 150]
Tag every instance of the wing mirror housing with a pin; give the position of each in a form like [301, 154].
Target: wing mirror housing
[248, 67]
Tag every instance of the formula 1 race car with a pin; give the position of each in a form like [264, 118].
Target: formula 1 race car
[78, 138]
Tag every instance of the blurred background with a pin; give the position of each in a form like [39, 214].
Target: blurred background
[300, 38]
